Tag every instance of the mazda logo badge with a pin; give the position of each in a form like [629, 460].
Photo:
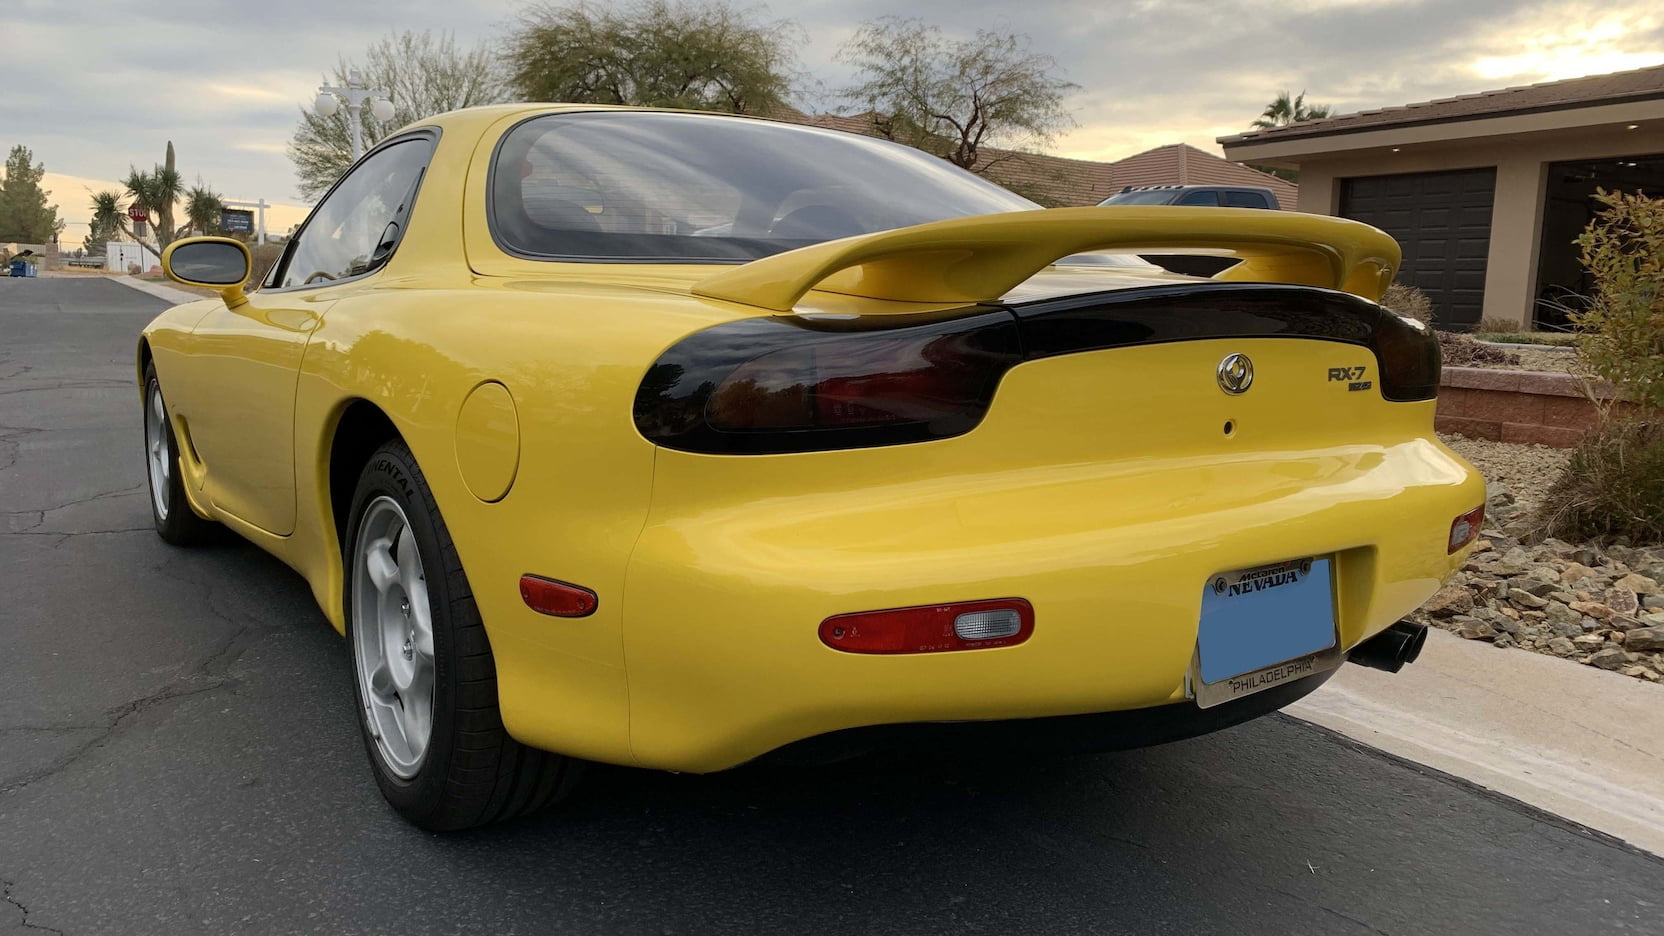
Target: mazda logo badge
[1236, 373]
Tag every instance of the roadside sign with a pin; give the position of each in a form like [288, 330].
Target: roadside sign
[137, 213]
[236, 221]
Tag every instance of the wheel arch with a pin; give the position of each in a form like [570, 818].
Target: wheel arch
[144, 358]
[361, 428]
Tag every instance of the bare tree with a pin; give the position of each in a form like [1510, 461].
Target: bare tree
[952, 97]
[423, 74]
[698, 55]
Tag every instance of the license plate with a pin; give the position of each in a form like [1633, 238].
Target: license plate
[1263, 627]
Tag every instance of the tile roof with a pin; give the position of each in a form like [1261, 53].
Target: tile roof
[1640, 84]
[1063, 182]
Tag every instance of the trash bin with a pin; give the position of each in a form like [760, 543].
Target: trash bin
[22, 268]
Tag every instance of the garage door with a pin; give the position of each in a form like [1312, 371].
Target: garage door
[1443, 222]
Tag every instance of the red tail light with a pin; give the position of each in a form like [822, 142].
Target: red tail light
[559, 599]
[1465, 529]
[968, 625]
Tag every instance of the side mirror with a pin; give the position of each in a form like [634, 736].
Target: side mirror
[217, 263]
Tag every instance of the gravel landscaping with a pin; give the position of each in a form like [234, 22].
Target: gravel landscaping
[1526, 470]
[1598, 604]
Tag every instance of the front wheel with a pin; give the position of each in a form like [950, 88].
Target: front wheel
[426, 681]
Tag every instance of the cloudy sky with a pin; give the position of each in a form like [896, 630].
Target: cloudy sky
[95, 86]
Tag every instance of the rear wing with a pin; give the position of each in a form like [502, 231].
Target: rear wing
[981, 258]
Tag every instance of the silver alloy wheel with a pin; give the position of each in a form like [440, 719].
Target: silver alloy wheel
[392, 628]
[157, 451]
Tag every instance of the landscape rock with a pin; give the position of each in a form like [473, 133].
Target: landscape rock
[1599, 605]
[1452, 599]
[1593, 609]
[1609, 658]
[1576, 572]
[1473, 629]
[1645, 638]
[1621, 600]
[1639, 584]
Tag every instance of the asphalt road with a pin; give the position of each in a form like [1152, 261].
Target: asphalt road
[178, 755]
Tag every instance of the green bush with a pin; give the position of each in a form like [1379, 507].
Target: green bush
[1614, 483]
[1623, 323]
[1612, 486]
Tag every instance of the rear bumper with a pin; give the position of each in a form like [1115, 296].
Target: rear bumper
[725, 593]
[1059, 734]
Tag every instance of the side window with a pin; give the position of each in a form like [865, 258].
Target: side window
[1245, 200]
[1211, 199]
[357, 226]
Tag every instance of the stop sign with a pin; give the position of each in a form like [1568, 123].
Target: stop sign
[137, 213]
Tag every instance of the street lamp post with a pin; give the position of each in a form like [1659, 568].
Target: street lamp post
[353, 96]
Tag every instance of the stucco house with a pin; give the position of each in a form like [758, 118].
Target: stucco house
[1484, 191]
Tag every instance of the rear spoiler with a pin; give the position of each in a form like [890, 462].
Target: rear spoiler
[981, 258]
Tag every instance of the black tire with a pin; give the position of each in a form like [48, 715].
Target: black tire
[177, 523]
[473, 773]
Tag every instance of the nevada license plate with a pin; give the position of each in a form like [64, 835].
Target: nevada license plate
[1263, 627]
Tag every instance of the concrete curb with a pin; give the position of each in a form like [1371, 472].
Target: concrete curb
[175, 296]
[1579, 742]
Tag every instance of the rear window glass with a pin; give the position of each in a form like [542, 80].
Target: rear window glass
[1245, 200]
[681, 187]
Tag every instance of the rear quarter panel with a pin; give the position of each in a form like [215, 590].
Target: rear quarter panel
[571, 355]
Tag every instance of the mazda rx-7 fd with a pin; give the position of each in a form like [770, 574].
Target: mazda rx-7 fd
[683, 440]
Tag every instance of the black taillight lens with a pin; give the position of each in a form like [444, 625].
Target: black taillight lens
[1408, 353]
[801, 384]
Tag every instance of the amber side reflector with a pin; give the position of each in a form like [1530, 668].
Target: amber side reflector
[559, 599]
[966, 625]
[1465, 529]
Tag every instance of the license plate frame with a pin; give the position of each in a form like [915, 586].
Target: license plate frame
[1220, 617]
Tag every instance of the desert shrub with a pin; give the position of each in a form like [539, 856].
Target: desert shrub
[1622, 324]
[1491, 325]
[1612, 486]
[133, 269]
[1459, 350]
[263, 255]
[1409, 302]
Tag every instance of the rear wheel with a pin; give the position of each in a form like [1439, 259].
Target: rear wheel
[175, 521]
[426, 682]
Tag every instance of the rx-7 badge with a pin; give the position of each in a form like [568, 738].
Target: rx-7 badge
[1353, 377]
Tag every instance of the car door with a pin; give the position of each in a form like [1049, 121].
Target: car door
[244, 362]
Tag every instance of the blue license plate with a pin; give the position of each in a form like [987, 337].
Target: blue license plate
[1259, 617]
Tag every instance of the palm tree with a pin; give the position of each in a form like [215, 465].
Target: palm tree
[156, 192]
[1283, 111]
[109, 220]
[202, 209]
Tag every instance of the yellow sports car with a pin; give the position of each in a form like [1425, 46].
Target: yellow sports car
[681, 440]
